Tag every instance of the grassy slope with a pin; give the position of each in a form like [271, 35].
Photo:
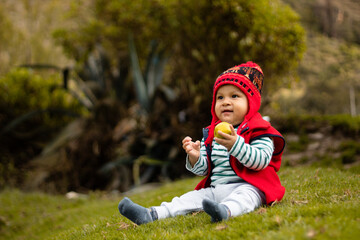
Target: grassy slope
[320, 203]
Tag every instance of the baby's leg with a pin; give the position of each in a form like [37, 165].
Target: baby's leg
[187, 203]
[244, 199]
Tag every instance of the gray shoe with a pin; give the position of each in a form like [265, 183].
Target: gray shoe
[218, 212]
[134, 212]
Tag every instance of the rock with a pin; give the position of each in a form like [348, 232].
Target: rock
[313, 146]
[75, 195]
[316, 136]
[292, 137]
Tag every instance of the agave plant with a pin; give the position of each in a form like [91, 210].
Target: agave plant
[146, 85]
[97, 147]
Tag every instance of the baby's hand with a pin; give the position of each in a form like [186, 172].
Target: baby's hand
[227, 140]
[192, 149]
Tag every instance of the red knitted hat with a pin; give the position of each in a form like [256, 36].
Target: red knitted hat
[248, 77]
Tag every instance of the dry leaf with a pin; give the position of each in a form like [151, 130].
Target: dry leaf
[301, 202]
[4, 221]
[123, 225]
[348, 192]
[311, 233]
[278, 219]
[261, 211]
[196, 213]
[274, 202]
[221, 227]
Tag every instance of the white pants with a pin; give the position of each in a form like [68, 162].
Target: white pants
[240, 198]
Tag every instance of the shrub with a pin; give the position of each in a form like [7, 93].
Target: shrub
[22, 91]
[345, 124]
[350, 149]
[32, 108]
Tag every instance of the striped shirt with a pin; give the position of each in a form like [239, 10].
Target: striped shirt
[255, 156]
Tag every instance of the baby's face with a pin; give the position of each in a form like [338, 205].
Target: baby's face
[231, 104]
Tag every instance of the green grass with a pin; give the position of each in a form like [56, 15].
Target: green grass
[320, 203]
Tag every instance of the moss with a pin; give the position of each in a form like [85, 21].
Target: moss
[345, 124]
[327, 160]
[298, 146]
[349, 151]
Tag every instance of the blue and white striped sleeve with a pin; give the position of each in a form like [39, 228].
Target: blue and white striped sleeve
[201, 166]
[256, 155]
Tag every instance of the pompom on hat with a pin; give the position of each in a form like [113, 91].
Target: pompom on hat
[248, 77]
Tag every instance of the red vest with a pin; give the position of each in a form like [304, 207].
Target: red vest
[267, 179]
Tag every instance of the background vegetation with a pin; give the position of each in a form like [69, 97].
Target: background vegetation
[92, 91]
[131, 63]
[328, 76]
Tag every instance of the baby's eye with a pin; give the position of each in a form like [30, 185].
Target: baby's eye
[235, 96]
[220, 97]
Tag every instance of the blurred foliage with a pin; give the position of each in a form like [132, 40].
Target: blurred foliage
[145, 94]
[8, 50]
[24, 90]
[32, 106]
[99, 151]
[27, 26]
[198, 40]
[294, 123]
[120, 86]
[328, 75]
[322, 90]
[298, 146]
[202, 38]
[333, 18]
[350, 151]
[321, 140]
[328, 91]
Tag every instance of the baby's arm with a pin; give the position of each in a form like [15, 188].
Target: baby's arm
[256, 155]
[196, 160]
[192, 149]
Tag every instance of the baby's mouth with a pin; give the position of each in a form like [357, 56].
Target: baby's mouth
[227, 111]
